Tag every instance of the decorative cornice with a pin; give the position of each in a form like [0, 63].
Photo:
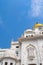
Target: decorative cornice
[10, 58]
[7, 58]
[30, 38]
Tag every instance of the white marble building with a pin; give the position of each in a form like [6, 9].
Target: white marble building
[28, 50]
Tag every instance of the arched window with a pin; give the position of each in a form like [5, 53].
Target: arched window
[6, 63]
[17, 53]
[11, 63]
[42, 32]
[31, 35]
[31, 55]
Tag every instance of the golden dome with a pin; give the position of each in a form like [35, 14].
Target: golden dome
[38, 25]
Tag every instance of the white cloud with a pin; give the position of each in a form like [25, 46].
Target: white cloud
[36, 7]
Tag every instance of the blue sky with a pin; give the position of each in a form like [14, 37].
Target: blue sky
[17, 16]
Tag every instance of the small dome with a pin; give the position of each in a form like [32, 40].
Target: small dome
[38, 25]
[28, 30]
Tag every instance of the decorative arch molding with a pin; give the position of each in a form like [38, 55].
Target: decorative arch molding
[31, 45]
[31, 49]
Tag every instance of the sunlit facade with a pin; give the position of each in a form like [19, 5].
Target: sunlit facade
[28, 50]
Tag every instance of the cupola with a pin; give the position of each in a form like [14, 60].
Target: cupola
[38, 25]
